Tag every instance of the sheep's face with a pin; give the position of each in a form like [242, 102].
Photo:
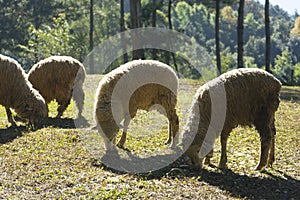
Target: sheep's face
[33, 110]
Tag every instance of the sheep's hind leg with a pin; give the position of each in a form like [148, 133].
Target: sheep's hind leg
[78, 96]
[271, 159]
[10, 117]
[224, 138]
[265, 147]
[62, 107]
[124, 133]
[263, 125]
[208, 157]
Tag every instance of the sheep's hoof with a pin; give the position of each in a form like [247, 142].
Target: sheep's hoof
[120, 143]
[58, 116]
[197, 167]
[121, 146]
[270, 163]
[168, 141]
[93, 128]
[259, 168]
[207, 161]
[175, 148]
[222, 165]
[14, 125]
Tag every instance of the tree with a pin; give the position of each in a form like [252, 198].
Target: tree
[153, 22]
[284, 69]
[171, 28]
[268, 37]
[296, 30]
[297, 74]
[294, 48]
[122, 29]
[217, 37]
[49, 40]
[135, 18]
[240, 30]
[91, 35]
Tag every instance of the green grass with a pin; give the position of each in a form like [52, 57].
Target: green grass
[55, 162]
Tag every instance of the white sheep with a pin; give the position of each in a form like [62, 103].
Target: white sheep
[245, 97]
[16, 92]
[139, 84]
[56, 78]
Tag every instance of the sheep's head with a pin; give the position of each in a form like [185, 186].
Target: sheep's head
[33, 109]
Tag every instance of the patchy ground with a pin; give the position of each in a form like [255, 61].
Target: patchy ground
[57, 162]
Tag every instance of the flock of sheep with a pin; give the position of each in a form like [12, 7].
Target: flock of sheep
[240, 97]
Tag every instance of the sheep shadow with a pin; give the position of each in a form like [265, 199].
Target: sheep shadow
[64, 123]
[269, 187]
[274, 185]
[11, 133]
[124, 162]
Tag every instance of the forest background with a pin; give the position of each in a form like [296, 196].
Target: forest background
[32, 30]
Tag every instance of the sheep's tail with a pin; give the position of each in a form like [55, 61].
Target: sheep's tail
[78, 93]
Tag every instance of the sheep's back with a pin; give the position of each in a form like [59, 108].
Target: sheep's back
[247, 90]
[55, 76]
[109, 81]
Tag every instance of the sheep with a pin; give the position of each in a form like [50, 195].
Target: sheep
[16, 92]
[139, 84]
[56, 78]
[245, 97]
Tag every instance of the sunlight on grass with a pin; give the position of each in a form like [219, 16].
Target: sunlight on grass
[55, 163]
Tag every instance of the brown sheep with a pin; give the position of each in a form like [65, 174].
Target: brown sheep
[250, 97]
[56, 78]
[16, 92]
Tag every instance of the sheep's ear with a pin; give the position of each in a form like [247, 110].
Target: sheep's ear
[28, 108]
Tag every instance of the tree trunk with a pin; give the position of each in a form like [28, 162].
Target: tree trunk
[122, 29]
[92, 70]
[268, 39]
[240, 31]
[217, 37]
[153, 22]
[135, 10]
[171, 28]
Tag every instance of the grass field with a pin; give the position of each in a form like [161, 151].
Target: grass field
[55, 161]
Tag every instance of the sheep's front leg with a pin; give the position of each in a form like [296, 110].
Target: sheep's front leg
[124, 132]
[108, 131]
[10, 117]
[173, 136]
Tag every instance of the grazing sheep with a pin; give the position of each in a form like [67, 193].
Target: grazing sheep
[243, 97]
[16, 92]
[57, 77]
[140, 84]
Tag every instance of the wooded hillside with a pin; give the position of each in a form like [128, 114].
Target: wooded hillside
[32, 30]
